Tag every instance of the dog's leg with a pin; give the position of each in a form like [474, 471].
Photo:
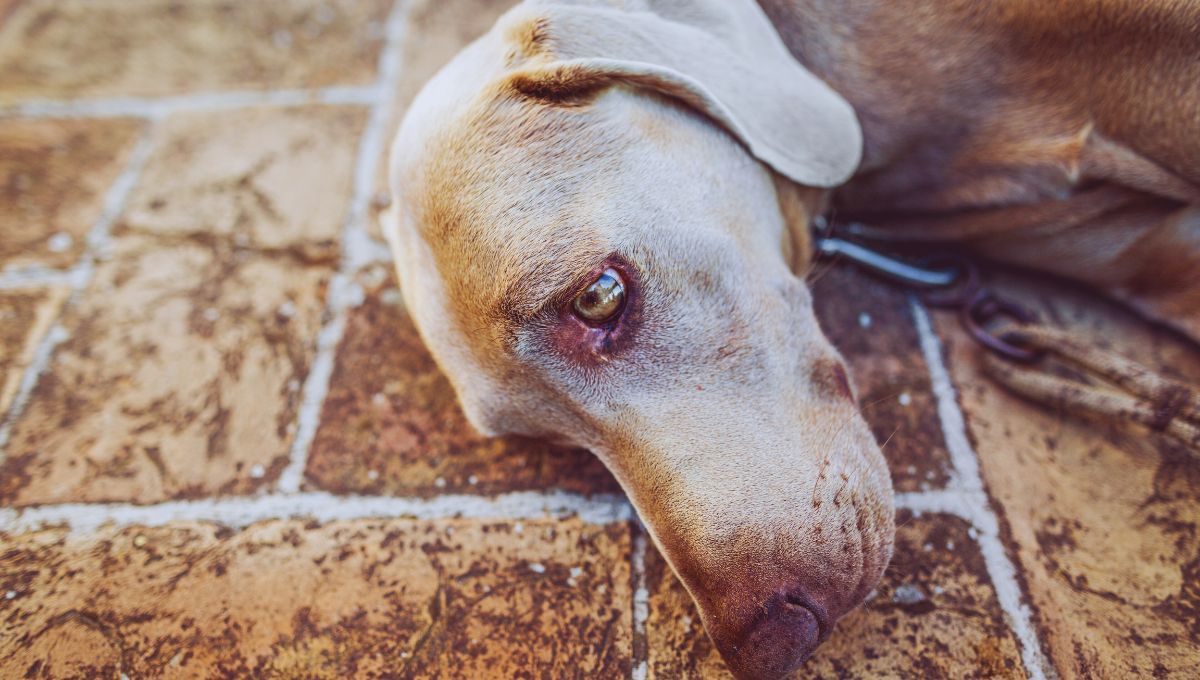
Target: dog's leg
[1164, 283]
[1146, 253]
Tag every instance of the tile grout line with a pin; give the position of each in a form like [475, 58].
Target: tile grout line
[968, 499]
[158, 107]
[343, 294]
[78, 277]
[37, 277]
[239, 512]
[641, 605]
[356, 244]
[515, 505]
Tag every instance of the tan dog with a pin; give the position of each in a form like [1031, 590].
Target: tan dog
[601, 229]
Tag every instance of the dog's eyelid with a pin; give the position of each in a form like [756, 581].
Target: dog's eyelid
[524, 301]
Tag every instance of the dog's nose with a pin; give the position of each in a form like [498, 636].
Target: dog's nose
[786, 631]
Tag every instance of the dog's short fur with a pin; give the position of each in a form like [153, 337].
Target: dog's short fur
[680, 143]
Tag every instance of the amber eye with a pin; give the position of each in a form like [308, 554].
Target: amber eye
[602, 300]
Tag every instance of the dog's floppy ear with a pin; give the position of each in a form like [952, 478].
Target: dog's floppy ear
[722, 57]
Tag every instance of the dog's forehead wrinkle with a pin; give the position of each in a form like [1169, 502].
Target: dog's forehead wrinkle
[496, 193]
[535, 230]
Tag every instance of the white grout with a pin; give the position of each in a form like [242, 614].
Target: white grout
[324, 507]
[29, 380]
[78, 278]
[98, 238]
[37, 277]
[344, 294]
[374, 140]
[641, 604]
[356, 252]
[158, 107]
[966, 473]
[968, 499]
[944, 501]
[361, 249]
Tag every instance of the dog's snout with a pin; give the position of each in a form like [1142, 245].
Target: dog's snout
[788, 628]
[776, 543]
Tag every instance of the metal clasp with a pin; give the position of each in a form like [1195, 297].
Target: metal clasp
[897, 270]
[944, 281]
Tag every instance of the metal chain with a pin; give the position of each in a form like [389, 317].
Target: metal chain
[1027, 356]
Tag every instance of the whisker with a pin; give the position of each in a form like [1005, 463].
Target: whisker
[885, 442]
[818, 272]
[845, 422]
[910, 520]
[886, 397]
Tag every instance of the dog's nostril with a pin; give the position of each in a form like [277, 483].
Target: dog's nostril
[799, 599]
[789, 630]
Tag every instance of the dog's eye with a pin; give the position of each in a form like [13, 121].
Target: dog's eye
[602, 300]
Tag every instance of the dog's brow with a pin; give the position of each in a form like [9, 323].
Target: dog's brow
[539, 287]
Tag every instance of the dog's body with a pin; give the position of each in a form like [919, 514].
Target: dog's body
[601, 230]
[1063, 136]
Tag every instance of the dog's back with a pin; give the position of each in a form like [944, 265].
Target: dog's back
[946, 87]
[1063, 136]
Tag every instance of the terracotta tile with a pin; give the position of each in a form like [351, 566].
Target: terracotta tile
[54, 175]
[1103, 522]
[368, 599]
[437, 30]
[181, 377]
[106, 48]
[934, 616]
[25, 317]
[391, 423]
[271, 178]
[870, 323]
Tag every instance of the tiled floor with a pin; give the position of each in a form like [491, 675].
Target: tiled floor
[224, 451]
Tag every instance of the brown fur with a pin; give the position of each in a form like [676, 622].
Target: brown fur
[1055, 121]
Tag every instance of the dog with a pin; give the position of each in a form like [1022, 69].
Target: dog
[601, 224]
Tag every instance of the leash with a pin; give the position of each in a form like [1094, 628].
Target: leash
[1036, 361]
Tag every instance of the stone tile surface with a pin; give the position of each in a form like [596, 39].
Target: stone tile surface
[181, 377]
[269, 178]
[182, 373]
[25, 318]
[367, 599]
[870, 323]
[54, 174]
[105, 48]
[391, 423]
[935, 615]
[6, 8]
[1103, 521]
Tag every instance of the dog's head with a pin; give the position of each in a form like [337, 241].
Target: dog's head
[600, 214]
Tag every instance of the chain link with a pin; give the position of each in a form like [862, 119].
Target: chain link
[1019, 347]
